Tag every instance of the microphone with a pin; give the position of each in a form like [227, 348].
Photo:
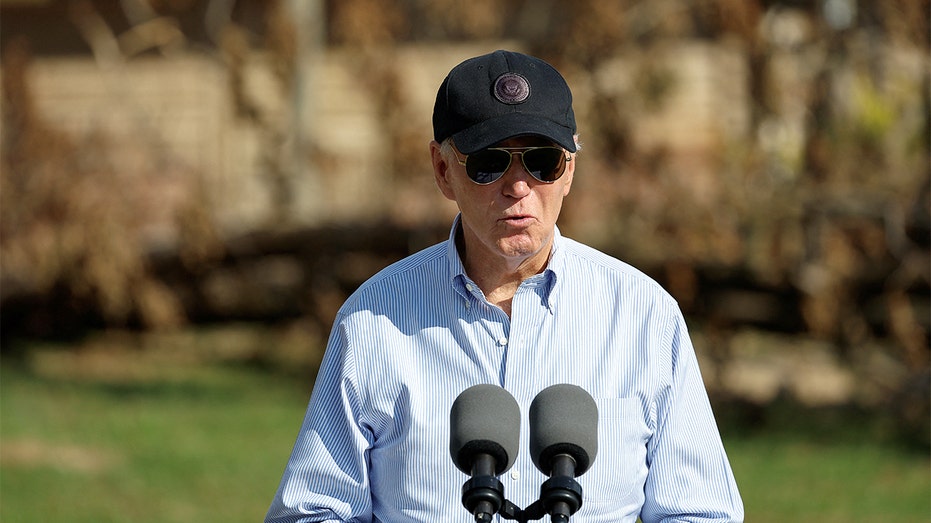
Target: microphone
[563, 445]
[484, 438]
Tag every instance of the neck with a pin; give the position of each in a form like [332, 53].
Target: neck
[499, 277]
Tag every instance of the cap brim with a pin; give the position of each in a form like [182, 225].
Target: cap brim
[500, 128]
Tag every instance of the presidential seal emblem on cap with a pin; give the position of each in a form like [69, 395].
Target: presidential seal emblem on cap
[512, 89]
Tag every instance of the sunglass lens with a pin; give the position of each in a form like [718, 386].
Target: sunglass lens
[545, 164]
[487, 165]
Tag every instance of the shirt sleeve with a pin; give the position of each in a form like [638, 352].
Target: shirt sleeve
[326, 478]
[689, 477]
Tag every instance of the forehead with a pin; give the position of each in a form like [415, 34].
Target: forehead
[526, 141]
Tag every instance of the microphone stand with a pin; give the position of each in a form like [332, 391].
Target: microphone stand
[483, 494]
[560, 497]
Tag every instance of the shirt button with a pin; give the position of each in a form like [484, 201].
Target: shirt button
[515, 474]
[502, 341]
[469, 287]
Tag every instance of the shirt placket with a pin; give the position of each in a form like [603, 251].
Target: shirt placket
[523, 362]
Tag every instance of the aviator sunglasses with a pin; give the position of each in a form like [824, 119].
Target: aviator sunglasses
[486, 166]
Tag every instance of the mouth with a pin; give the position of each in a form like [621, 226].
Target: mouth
[518, 220]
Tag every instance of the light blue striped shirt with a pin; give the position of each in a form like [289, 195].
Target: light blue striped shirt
[374, 444]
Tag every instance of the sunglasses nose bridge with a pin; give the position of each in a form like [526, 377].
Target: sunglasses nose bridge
[519, 163]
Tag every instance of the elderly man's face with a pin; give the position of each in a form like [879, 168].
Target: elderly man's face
[511, 219]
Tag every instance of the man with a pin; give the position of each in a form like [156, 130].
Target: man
[508, 301]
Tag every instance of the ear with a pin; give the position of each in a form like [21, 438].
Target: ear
[568, 175]
[441, 169]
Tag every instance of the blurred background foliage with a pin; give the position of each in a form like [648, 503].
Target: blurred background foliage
[189, 189]
[767, 161]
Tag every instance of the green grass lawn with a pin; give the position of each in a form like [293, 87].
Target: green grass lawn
[182, 442]
[795, 480]
[196, 443]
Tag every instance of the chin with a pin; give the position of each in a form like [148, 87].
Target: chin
[518, 247]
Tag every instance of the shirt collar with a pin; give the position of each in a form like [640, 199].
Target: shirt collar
[456, 268]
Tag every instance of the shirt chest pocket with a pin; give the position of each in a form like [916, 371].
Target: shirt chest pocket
[618, 472]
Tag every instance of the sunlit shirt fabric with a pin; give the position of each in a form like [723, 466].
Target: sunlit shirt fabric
[374, 444]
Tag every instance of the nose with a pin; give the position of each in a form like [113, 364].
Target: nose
[516, 181]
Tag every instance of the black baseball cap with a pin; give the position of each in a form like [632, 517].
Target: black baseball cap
[500, 95]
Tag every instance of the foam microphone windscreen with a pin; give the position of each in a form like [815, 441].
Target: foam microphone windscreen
[563, 420]
[484, 419]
